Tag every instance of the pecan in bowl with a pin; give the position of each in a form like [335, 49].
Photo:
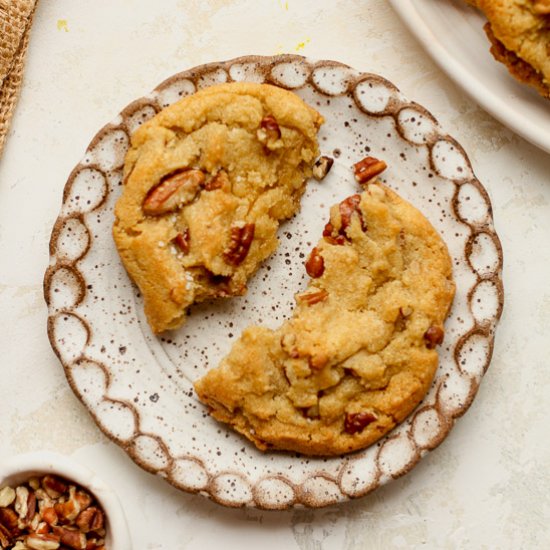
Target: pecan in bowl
[47, 502]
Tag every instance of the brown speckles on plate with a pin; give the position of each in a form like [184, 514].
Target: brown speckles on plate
[138, 387]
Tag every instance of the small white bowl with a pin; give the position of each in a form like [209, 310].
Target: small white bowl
[20, 468]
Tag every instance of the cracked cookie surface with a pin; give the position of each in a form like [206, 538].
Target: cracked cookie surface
[207, 181]
[519, 31]
[358, 353]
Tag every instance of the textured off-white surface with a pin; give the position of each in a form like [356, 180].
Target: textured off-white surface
[485, 486]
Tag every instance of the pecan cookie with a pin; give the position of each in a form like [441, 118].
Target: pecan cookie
[207, 181]
[519, 31]
[359, 352]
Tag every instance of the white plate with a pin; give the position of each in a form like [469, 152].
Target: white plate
[452, 34]
[138, 387]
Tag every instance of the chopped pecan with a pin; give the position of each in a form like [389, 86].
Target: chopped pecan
[70, 537]
[53, 486]
[173, 191]
[347, 208]
[357, 422]
[42, 528]
[67, 512]
[44, 500]
[90, 519]
[21, 501]
[49, 515]
[239, 244]
[8, 518]
[434, 336]
[331, 237]
[31, 507]
[368, 168]
[34, 483]
[38, 541]
[83, 499]
[269, 133]
[322, 167]
[315, 265]
[219, 181]
[7, 496]
[5, 537]
[311, 298]
[31, 516]
[271, 126]
[181, 240]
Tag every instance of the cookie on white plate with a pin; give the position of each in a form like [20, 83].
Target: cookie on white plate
[207, 182]
[359, 352]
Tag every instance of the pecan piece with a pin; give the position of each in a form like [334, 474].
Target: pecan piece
[38, 541]
[7, 496]
[53, 486]
[49, 515]
[173, 191]
[357, 422]
[67, 511]
[403, 314]
[34, 483]
[83, 499]
[315, 265]
[31, 507]
[219, 181]
[347, 208]
[21, 502]
[239, 244]
[9, 520]
[181, 240]
[322, 167]
[311, 298]
[328, 234]
[90, 519]
[71, 537]
[269, 133]
[368, 168]
[42, 528]
[434, 336]
[5, 537]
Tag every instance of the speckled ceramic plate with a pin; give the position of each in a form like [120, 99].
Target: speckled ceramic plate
[138, 387]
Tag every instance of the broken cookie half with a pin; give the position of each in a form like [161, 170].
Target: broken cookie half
[360, 350]
[206, 183]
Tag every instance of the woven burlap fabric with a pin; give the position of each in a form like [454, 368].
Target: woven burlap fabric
[15, 22]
